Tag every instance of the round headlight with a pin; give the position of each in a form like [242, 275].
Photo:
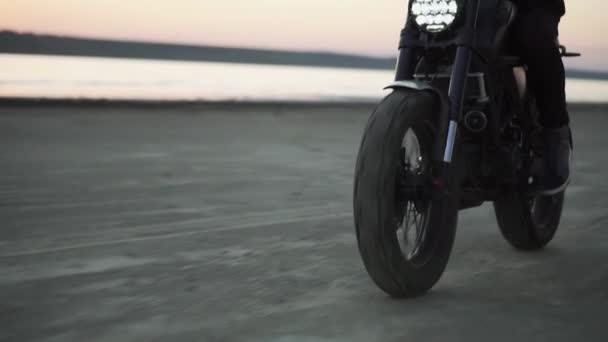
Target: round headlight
[434, 15]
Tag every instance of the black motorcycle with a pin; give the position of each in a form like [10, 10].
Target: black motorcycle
[458, 129]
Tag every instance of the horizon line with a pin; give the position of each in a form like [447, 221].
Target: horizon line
[184, 44]
[601, 71]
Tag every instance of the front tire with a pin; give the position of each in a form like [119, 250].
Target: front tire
[379, 211]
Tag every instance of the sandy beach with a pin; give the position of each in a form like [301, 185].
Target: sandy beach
[232, 222]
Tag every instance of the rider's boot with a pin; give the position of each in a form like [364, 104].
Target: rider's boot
[557, 158]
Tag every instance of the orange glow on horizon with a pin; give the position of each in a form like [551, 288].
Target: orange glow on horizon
[353, 26]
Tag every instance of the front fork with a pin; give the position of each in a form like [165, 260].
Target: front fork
[456, 97]
[451, 109]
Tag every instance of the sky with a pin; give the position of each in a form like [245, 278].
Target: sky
[369, 27]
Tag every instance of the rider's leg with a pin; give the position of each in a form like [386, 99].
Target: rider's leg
[535, 33]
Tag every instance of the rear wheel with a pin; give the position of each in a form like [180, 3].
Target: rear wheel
[527, 223]
[405, 241]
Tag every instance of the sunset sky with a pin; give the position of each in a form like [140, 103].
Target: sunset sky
[352, 26]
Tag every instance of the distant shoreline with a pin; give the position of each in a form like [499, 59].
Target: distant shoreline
[33, 44]
[5, 102]
[132, 103]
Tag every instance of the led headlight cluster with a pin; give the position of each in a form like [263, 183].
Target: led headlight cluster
[434, 15]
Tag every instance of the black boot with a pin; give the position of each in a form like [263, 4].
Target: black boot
[556, 160]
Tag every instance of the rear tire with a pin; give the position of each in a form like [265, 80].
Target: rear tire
[377, 207]
[528, 224]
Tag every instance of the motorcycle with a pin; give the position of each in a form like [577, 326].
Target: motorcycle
[459, 128]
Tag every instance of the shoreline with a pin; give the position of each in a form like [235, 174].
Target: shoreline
[16, 102]
[245, 105]
[360, 62]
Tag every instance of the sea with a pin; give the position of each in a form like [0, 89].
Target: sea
[60, 77]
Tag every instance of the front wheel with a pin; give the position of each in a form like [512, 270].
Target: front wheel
[405, 243]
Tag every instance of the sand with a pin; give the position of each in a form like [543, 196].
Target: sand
[227, 222]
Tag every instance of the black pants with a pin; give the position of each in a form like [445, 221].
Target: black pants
[534, 35]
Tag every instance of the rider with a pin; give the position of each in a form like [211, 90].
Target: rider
[535, 33]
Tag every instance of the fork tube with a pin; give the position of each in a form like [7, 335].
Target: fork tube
[456, 94]
[407, 58]
[460, 74]
[405, 64]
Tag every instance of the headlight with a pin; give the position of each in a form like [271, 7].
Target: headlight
[434, 15]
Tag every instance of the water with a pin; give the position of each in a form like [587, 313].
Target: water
[110, 78]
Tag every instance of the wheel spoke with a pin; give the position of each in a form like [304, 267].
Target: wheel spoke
[412, 168]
